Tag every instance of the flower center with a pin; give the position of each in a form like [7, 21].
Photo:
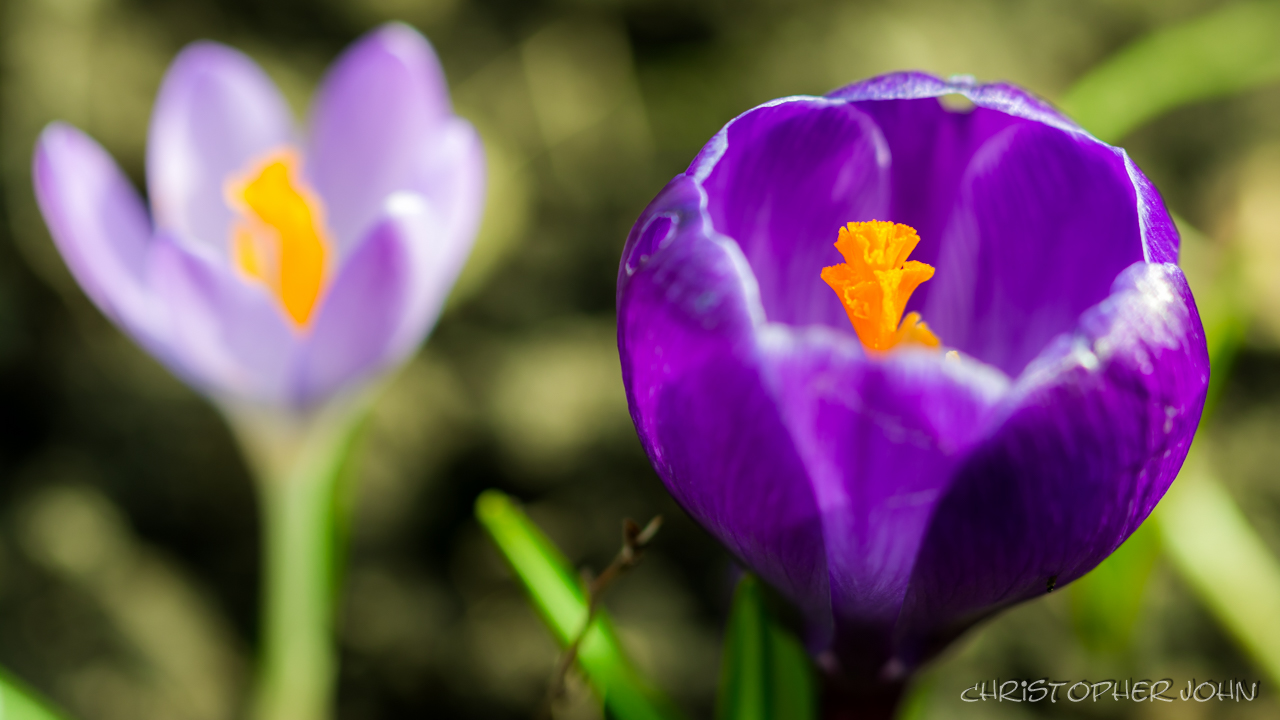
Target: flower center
[875, 281]
[279, 239]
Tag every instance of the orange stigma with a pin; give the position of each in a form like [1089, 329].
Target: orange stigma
[875, 281]
[279, 239]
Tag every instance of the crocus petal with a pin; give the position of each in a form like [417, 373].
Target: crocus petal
[375, 122]
[216, 113]
[880, 440]
[686, 314]
[1160, 238]
[1094, 432]
[930, 149]
[228, 336]
[940, 154]
[781, 180]
[385, 299]
[99, 224]
[451, 179]
[1044, 222]
[1008, 99]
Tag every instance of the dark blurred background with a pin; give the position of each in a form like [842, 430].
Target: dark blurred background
[129, 533]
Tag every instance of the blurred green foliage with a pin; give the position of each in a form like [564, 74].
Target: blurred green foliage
[1227, 51]
[1106, 603]
[19, 703]
[765, 673]
[1224, 560]
[129, 542]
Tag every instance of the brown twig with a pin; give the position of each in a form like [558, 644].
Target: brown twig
[634, 540]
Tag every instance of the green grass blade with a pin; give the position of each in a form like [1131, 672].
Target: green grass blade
[794, 684]
[19, 703]
[1228, 565]
[559, 598]
[764, 673]
[1106, 603]
[1209, 540]
[744, 686]
[1214, 55]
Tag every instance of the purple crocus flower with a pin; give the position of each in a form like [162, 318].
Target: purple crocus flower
[276, 269]
[897, 497]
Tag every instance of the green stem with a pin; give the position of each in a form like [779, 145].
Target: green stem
[298, 655]
[300, 469]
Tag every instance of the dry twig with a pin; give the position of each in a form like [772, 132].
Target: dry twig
[634, 540]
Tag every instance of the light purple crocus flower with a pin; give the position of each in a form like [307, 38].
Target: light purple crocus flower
[276, 268]
[898, 498]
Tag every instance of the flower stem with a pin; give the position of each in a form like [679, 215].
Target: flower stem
[301, 470]
[298, 656]
[873, 703]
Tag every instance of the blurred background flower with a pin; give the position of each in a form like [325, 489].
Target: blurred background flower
[586, 110]
[267, 275]
[280, 281]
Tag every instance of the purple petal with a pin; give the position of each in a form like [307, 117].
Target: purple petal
[704, 412]
[978, 186]
[452, 180]
[1043, 224]
[996, 225]
[229, 335]
[1160, 237]
[931, 146]
[930, 149]
[375, 124]
[99, 225]
[216, 114]
[383, 301]
[914, 85]
[781, 180]
[880, 440]
[1094, 432]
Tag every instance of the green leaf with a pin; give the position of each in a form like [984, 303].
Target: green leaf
[916, 702]
[764, 673]
[1218, 54]
[1106, 603]
[556, 593]
[1227, 564]
[19, 703]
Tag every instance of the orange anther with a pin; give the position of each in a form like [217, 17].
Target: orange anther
[875, 281]
[279, 239]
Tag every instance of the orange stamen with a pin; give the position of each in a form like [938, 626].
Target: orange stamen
[876, 280]
[279, 239]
